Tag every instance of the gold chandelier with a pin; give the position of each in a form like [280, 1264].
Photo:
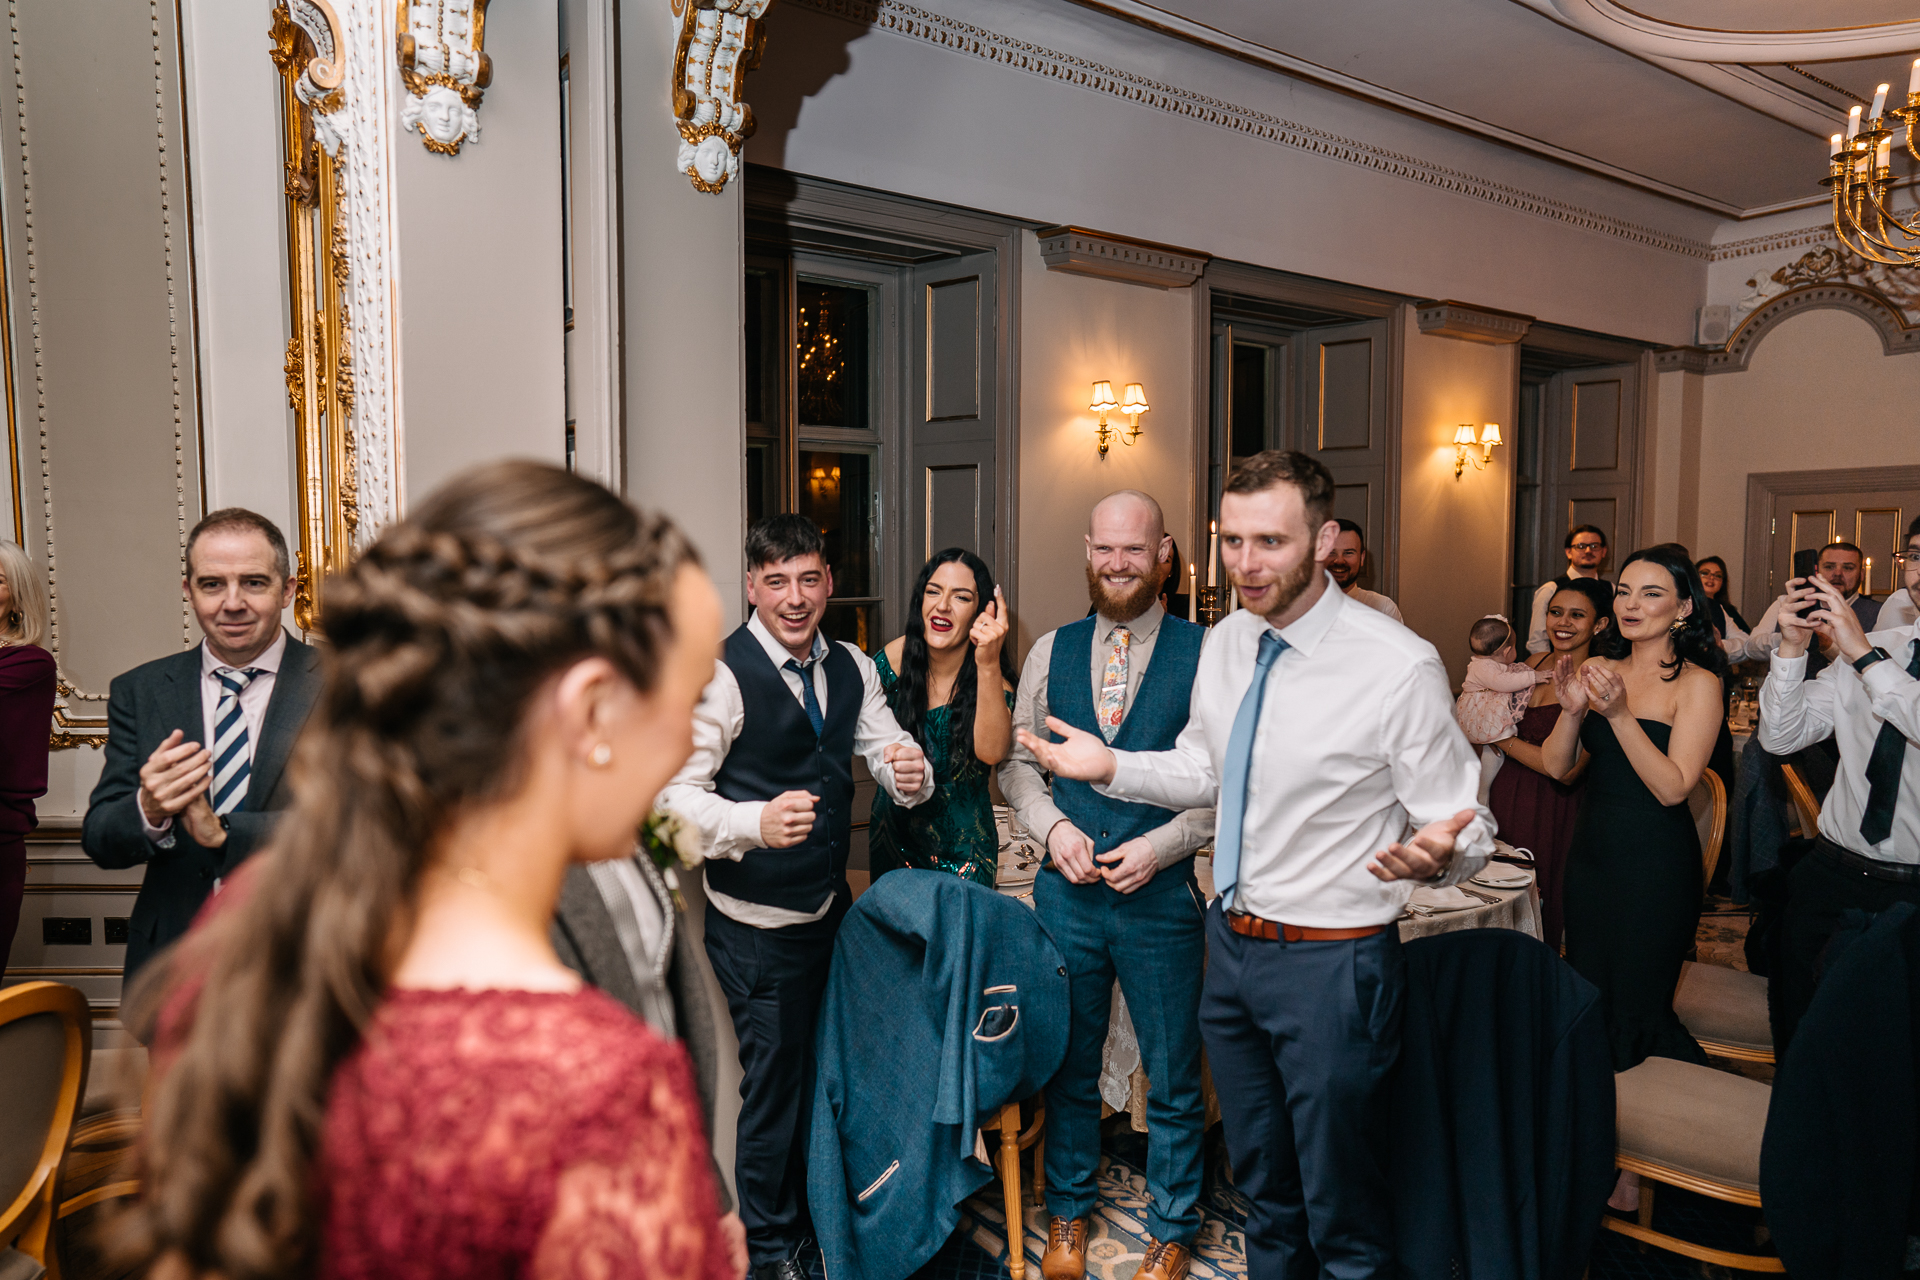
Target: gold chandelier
[1861, 176]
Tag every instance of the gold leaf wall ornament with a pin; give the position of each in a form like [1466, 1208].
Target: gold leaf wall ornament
[307, 47]
[445, 68]
[70, 730]
[720, 41]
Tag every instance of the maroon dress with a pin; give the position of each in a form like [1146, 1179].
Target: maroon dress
[1537, 813]
[516, 1134]
[26, 717]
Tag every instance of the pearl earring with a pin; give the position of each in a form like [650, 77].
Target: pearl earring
[601, 756]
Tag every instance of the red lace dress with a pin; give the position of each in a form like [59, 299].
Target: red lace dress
[516, 1133]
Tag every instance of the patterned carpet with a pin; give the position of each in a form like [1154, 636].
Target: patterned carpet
[978, 1248]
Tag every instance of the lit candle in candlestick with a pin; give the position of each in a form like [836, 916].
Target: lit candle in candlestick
[1913, 81]
[1834, 148]
[1193, 593]
[1853, 123]
[1866, 583]
[1213, 553]
[1880, 101]
[1886, 154]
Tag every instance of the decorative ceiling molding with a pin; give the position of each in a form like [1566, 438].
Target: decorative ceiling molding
[1895, 336]
[445, 67]
[720, 41]
[1471, 323]
[1773, 243]
[1111, 257]
[907, 20]
[1623, 28]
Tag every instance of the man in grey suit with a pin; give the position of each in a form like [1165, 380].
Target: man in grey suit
[197, 743]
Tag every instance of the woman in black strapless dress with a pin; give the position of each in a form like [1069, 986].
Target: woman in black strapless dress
[1632, 894]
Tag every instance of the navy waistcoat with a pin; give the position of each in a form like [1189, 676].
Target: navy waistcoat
[778, 751]
[1154, 720]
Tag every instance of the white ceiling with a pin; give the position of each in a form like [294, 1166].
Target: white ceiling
[1638, 90]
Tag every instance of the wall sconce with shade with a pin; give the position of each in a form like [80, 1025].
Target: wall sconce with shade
[1465, 438]
[1133, 403]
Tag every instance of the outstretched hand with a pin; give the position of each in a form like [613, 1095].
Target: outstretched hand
[1426, 855]
[1081, 756]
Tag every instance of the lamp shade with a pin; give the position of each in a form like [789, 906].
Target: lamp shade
[1465, 434]
[1134, 400]
[1490, 434]
[1103, 400]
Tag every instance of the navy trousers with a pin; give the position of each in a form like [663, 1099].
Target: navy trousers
[1154, 942]
[773, 980]
[1301, 1037]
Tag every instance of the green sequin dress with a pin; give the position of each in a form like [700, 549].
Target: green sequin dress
[953, 831]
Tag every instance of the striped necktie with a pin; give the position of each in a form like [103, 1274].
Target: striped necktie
[232, 756]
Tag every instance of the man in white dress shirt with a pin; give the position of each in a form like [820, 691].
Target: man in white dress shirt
[1900, 609]
[197, 742]
[770, 787]
[1868, 701]
[1317, 801]
[1349, 562]
[1586, 548]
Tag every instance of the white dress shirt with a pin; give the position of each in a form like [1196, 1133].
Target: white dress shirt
[730, 828]
[1538, 641]
[1897, 611]
[1759, 646]
[1023, 782]
[1796, 712]
[1357, 746]
[253, 709]
[1374, 600]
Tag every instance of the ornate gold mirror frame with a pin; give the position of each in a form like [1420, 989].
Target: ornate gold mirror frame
[309, 51]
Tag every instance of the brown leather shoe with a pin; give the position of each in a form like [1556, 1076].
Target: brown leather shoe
[1165, 1262]
[1066, 1256]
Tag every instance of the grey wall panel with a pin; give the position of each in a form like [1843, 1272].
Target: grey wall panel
[99, 277]
[1596, 424]
[1346, 394]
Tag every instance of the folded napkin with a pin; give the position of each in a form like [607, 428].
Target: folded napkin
[1501, 875]
[1427, 900]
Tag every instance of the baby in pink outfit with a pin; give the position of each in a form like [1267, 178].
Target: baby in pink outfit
[1494, 696]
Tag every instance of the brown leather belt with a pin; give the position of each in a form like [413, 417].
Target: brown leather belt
[1273, 931]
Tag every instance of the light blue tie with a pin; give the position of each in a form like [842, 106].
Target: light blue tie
[232, 757]
[1233, 782]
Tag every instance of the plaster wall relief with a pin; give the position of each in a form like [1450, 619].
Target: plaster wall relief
[446, 70]
[720, 41]
[97, 324]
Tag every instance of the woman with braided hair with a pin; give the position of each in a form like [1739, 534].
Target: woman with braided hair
[369, 1060]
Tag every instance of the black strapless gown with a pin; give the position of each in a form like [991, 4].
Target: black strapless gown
[1632, 899]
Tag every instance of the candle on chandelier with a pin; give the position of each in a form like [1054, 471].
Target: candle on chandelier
[1853, 123]
[1213, 553]
[1833, 148]
[1880, 101]
[1913, 81]
[1884, 160]
[1193, 593]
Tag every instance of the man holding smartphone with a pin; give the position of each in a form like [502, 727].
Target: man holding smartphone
[1839, 565]
[1867, 856]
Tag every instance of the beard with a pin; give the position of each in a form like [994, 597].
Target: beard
[1127, 605]
[1287, 587]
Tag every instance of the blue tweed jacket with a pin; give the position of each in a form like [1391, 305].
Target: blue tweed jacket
[945, 1002]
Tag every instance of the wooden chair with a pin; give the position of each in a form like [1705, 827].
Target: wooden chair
[46, 1046]
[1692, 1127]
[1806, 805]
[1708, 804]
[1014, 1140]
[1725, 1009]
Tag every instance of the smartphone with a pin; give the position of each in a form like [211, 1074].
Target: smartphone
[1805, 565]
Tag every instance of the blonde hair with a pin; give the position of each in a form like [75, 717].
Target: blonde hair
[26, 620]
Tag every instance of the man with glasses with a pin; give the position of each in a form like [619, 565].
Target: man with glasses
[1586, 548]
[1899, 609]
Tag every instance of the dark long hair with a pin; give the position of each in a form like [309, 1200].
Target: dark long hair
[438, 637]
[1694, 641]
[910, 694]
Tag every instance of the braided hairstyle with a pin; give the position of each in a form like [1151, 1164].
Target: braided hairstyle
[437, 639]
[909, 702]
[1693, 639]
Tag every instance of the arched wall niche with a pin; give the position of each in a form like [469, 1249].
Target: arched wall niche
[1896, 336]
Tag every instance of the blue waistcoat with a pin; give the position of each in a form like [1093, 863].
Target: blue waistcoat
[777, 751]
[1158, 714]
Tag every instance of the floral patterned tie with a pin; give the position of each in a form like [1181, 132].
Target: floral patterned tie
[1113, 684]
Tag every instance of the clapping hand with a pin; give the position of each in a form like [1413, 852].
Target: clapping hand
[1606, 691]
[174, 776]
[909, 766]
[1081, 756]
[989, 632]
[1426, 855]
[1568, 686]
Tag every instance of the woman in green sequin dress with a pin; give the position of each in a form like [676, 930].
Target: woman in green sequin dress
[950, 684]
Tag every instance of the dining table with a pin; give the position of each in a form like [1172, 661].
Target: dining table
[1502, 896]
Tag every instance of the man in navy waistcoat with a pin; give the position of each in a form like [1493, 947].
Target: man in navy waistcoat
[1118, 895]
[770, 787]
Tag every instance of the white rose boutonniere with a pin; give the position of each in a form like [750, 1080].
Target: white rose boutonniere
[674, 845]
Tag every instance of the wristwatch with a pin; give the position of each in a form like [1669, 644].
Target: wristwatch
[1871, 656]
